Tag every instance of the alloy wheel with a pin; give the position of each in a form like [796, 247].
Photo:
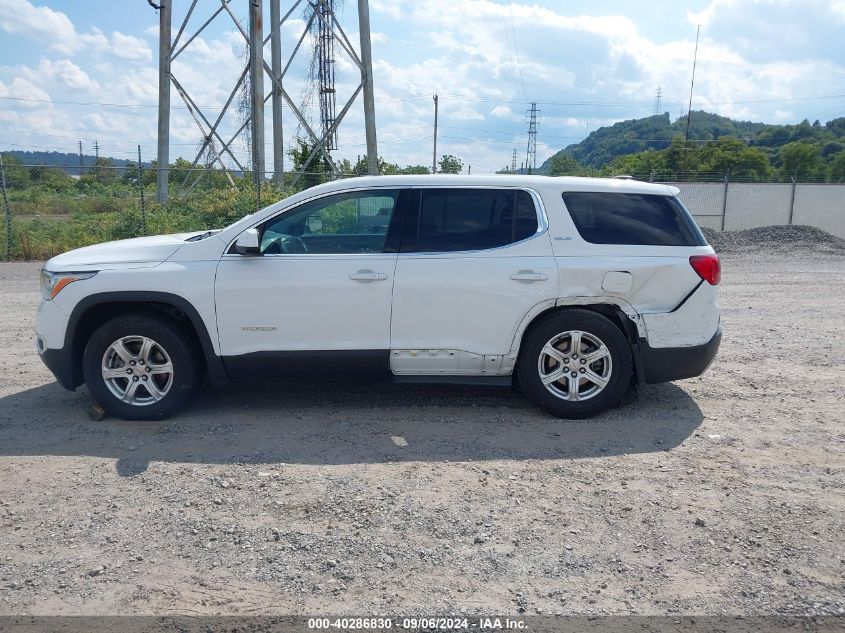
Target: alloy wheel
[575, 365]
[137, 370]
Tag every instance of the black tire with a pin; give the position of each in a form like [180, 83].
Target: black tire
[592, 323]
[169, 335]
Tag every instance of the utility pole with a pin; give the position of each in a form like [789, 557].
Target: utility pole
[531, 153]
[367, 80]
[6, 211]
[80, 158]
[513, 161]
[276, 67]
[141, 188]
[256, 84]
[434, 153]
[164, 55]
[658, 99]
[689, 109]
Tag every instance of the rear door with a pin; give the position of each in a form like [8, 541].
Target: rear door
[474, 262]
[317, 300]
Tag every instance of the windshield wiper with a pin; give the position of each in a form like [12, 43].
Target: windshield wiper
[201, 236]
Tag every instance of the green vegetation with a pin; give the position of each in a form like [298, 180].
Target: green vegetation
[654, 147]
[54, 211]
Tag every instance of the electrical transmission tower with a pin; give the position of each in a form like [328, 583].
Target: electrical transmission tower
[513, 161]
[658, 99]
[324, 53]
[216, 129]
[531, 153]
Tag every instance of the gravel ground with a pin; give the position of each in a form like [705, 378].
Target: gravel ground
[717, 495]
[797, 238]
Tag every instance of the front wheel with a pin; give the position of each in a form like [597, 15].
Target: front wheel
[575, 364]
[140, 367]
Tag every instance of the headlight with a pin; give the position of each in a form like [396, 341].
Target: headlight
[52, 283]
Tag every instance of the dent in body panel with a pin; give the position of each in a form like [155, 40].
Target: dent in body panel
[694, 323]
[657, 284]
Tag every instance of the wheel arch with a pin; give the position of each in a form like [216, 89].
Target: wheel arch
[96, 309]
[618, 314]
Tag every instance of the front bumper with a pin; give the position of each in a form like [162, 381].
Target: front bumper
[662, 364]
[59, 362]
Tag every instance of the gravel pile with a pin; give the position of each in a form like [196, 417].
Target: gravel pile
[798, 237]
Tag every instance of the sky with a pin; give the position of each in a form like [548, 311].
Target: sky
[73, 70]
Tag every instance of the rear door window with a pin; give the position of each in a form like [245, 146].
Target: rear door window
[629, 218]
[473, 219]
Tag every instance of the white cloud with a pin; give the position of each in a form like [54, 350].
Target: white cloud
[41, 23]
[56, 30]
[67, 73]
[130, 47]
[503, 112]
[758, 60]
[28, 93]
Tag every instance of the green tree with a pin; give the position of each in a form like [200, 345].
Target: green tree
[450, 164]
[105, 172]
[641, 165]
[837, 168]
[51, 178]
[563, 165]
[414, 169]
[17, 177]
[799, 158]
[316, 171]
[730, 155]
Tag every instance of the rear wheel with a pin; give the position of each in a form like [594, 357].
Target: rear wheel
[141, 367]
[575, 364]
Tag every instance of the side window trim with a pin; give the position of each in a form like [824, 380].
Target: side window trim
[393, 236]
[412, 224]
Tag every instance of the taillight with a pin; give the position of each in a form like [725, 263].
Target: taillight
[707, 267]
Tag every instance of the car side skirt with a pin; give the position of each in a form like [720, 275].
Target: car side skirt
[338, 366]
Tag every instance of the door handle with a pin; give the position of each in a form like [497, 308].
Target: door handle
[367, 275]
[529, 275]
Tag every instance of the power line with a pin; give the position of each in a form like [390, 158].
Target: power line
[463, 97]
[516, 51]
[692, 83]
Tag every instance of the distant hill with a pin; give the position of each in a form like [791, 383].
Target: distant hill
[602, 146]
[67, 162]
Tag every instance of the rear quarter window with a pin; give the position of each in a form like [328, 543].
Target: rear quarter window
[632, 218]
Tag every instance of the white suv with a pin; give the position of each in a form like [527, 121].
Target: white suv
[577, 288]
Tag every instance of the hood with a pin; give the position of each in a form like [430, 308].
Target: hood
[139, 252]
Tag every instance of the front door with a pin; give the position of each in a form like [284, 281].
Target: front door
[317, 299]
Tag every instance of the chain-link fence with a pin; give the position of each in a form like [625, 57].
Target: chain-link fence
[50, 210]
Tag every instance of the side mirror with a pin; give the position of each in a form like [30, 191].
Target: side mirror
[315, 223]
[248, 243]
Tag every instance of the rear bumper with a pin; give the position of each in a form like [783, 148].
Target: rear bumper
[59, 362]
[662, 364]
